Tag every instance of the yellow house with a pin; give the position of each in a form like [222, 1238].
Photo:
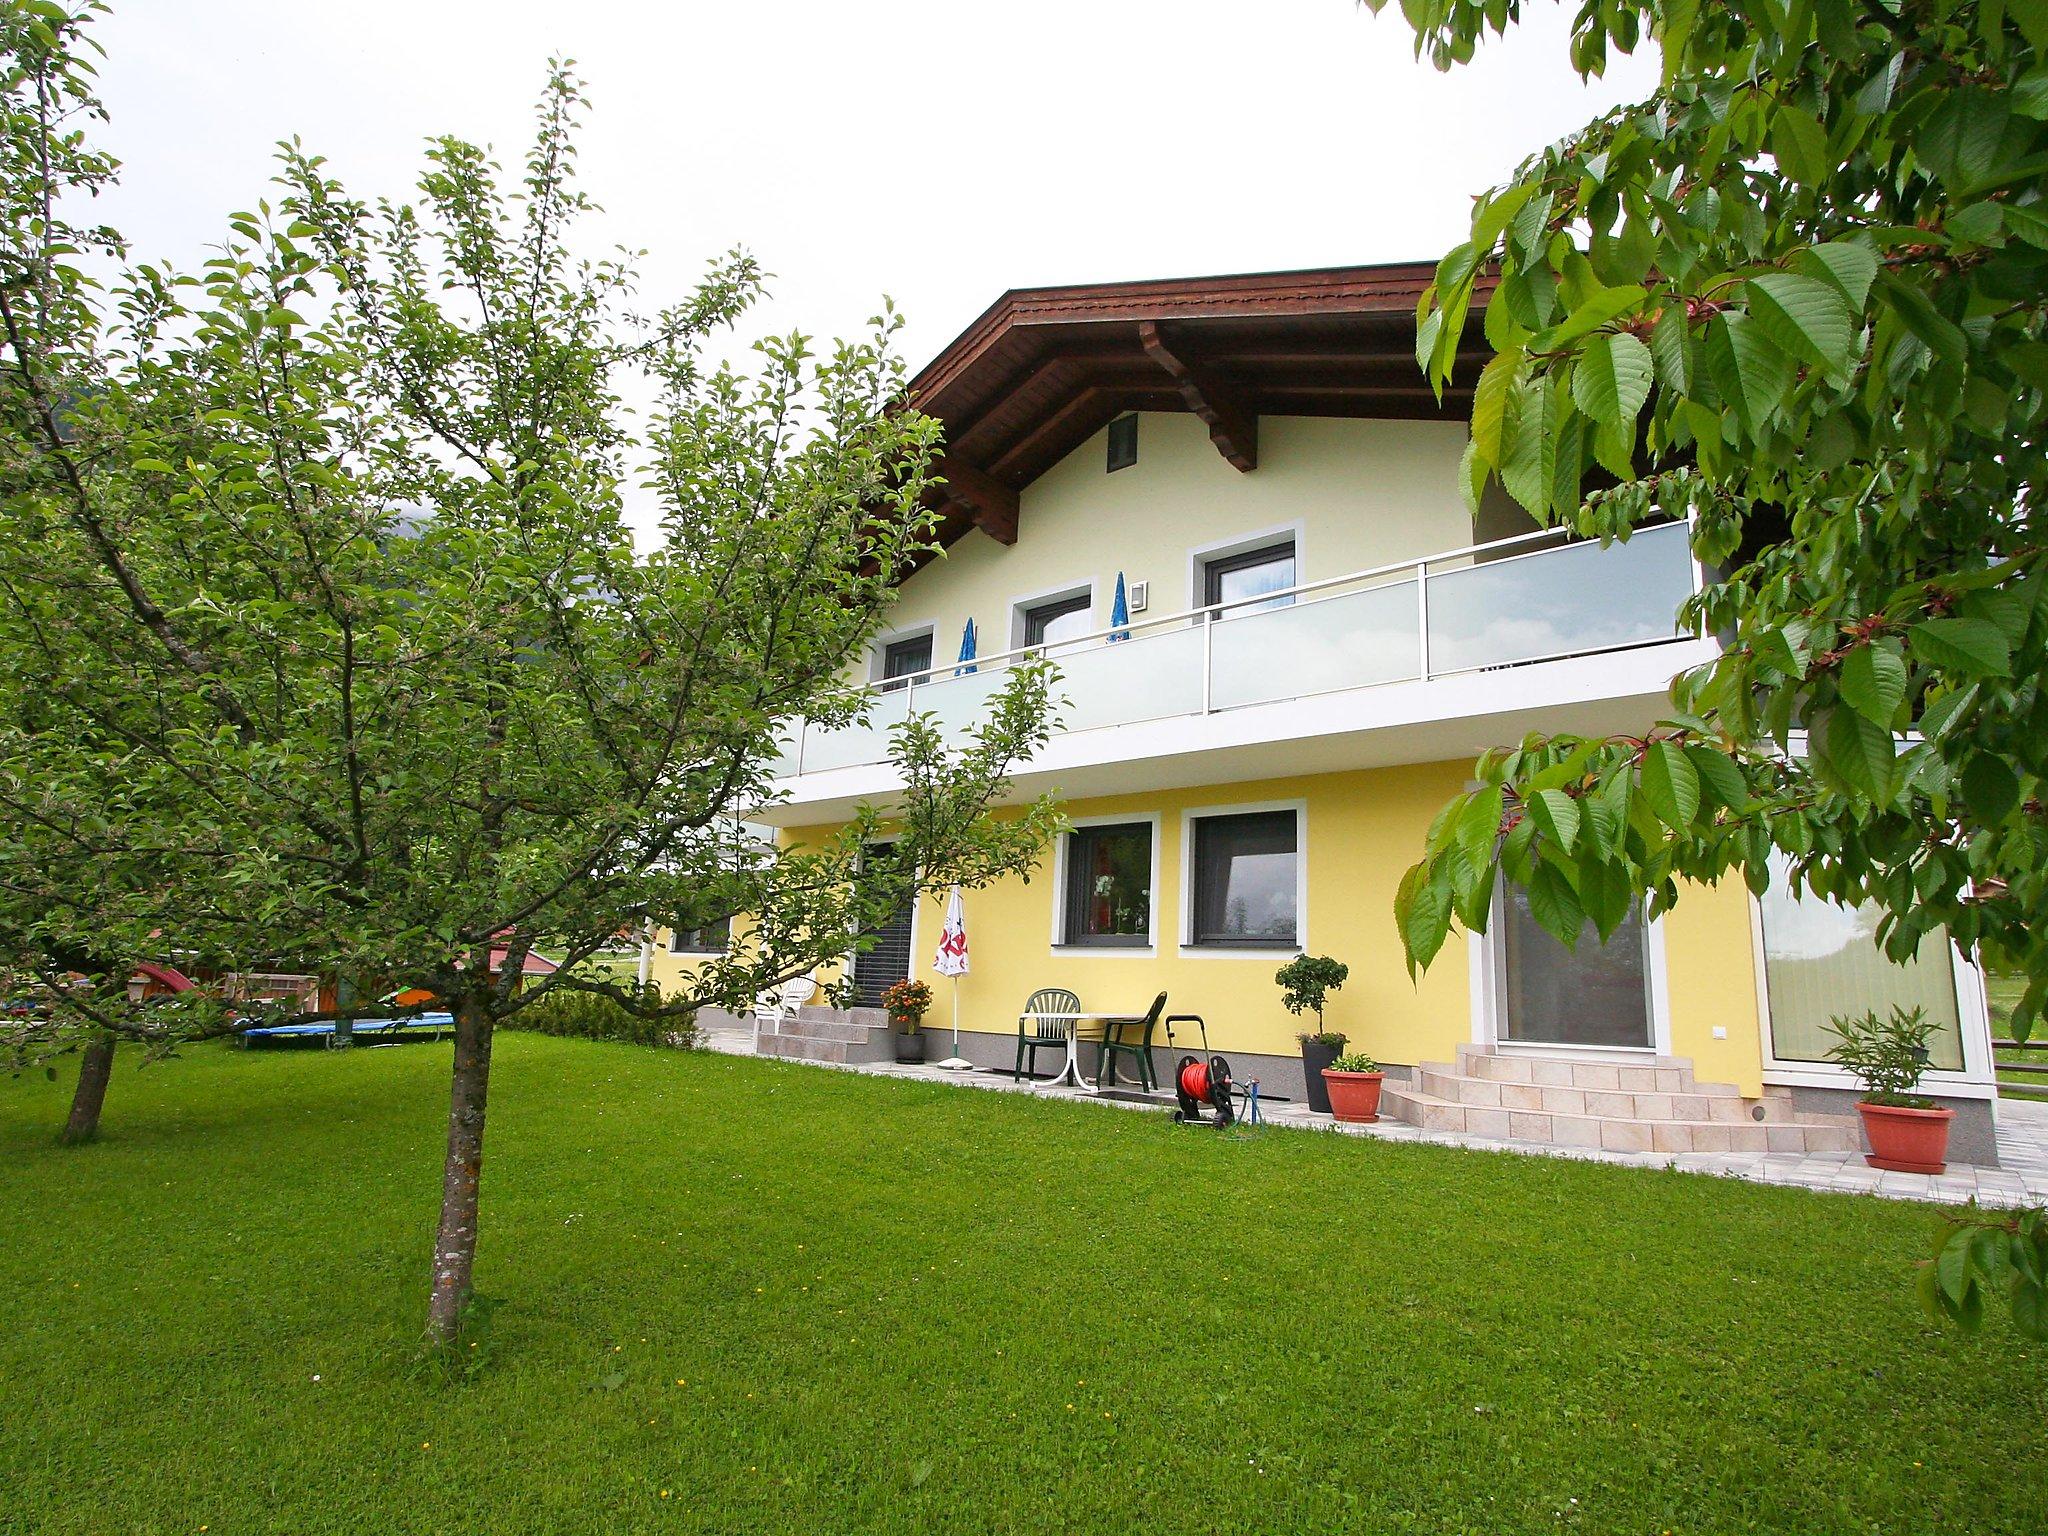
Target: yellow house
[1229, 510]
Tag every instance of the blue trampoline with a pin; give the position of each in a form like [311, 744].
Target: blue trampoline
[425, 1026]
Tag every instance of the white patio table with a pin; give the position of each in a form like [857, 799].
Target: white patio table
[1070, 1073]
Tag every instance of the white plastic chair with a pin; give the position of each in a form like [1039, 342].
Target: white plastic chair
[767, 1010]
[797, 991]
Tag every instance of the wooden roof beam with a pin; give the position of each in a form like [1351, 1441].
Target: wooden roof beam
[1232, 428]
[989, 504]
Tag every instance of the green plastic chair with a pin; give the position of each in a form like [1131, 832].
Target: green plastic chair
[1035, 1035]
[1140, 1049]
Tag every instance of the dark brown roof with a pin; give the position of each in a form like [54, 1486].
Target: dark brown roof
[1043, 369]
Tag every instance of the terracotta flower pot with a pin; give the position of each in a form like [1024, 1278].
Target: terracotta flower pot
[1354, 1096]
[1906, 1140]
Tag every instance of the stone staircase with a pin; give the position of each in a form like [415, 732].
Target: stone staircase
[830, 1034]
[1653, 1105]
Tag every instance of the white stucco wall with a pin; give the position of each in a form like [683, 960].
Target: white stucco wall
[1356, 494]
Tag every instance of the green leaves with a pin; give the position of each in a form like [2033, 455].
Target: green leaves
[1873, 682]
[1857, 754]
[1612, 379]
[1752, 372]
[1972, 647]
[1989, 1253]
[1805, 317]
[1800, 145]
[1671, 784]
[1828, 230]
[1557, 815]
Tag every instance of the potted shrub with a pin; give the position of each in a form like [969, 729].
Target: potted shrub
[1353, 1083]
[906, 1002]
[1907, 1133]
[1304, 982]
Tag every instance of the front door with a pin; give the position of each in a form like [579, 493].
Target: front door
[1592, 995]
[877, 969]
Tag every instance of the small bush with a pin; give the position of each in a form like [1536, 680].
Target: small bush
[589, 1016]
[1886, 1056]
[1356, 1061]
[1304, 983]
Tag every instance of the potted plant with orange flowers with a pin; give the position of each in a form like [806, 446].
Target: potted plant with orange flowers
[906, 1002]
[1353, 1081]
[1908, 1133]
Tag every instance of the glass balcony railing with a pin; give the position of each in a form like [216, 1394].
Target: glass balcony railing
[1540, 597]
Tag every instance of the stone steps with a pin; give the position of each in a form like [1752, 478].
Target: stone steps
[803, 1048]
[1654, 1104]
[829, 1034]
[1617, 1133]
[1693, 1104]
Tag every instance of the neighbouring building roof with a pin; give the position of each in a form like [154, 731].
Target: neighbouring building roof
[1044, 369]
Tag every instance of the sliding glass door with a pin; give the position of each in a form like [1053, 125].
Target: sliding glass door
[1592, 995]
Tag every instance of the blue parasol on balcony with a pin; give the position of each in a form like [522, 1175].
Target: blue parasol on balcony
[1119, 613]
[966, 650]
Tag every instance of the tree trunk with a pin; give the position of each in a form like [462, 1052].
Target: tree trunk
[455, 1240]
[95, 1066]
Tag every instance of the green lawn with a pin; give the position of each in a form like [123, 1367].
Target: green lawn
[2003, 994]
[795, 1300]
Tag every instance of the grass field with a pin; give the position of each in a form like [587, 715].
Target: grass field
[2003, 994]
[742, 1296]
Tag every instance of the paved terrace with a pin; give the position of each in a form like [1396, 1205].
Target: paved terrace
[2022, 1141]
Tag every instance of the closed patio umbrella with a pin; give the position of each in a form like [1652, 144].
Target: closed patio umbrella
[1119, 613]
[951, 960]
[967, 649]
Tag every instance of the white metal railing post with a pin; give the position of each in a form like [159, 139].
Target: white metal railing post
[1208, 663]
[1422, 614]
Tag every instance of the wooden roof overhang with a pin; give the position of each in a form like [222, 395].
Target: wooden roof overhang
[1044, 369]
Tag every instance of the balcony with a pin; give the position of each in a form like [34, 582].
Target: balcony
[1484, 633]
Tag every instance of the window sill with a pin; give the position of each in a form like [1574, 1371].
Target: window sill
[1126, 951]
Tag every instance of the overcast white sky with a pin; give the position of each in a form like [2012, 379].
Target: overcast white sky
[939, 151]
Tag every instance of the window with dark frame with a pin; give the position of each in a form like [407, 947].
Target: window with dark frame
[1108, 896]
[1245, 890]
[901, 658]
[1123, 443]
[1249, 573]
[1064, 618]
[711, 939]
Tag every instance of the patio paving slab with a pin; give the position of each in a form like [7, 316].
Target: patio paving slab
[2022, 1141]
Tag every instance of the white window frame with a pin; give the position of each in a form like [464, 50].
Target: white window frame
[1488, 970]
[1060, 948]
[1241, 544]
[1067, 589]
[1187, 947]
[1977, 1078]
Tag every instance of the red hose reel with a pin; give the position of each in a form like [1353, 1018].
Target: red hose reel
[1197, 1083]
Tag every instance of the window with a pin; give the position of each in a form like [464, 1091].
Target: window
[1123, 443]
[1244, 880]
[1108, 898]
[1230, 578]
[1821, 960]
[711, 939]
[1064, 618]
[900, 658]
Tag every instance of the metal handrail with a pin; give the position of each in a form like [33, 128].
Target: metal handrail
[1369, 579]
[1186, 615]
